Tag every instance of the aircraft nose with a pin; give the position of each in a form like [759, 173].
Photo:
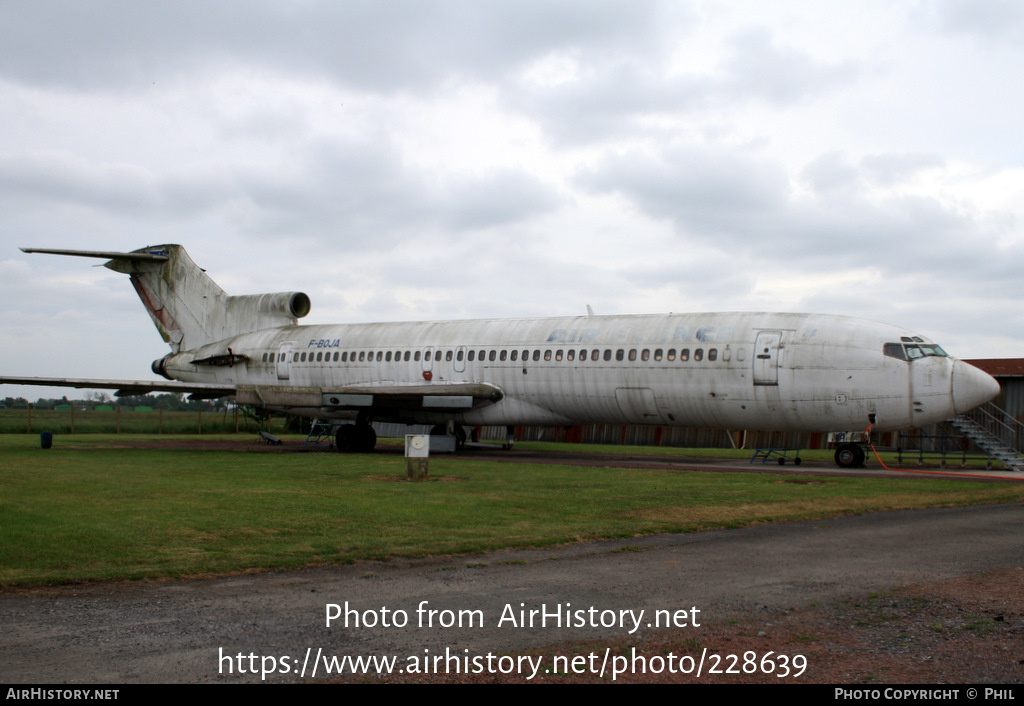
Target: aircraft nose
[971, 387]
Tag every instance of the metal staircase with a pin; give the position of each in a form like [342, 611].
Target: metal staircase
[995, 432]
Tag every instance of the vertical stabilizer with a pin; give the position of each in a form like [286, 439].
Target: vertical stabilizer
[188, 308]
[179, 296]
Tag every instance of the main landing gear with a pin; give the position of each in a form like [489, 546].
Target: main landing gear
[355, 438]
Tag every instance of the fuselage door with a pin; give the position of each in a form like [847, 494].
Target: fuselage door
[284, 355]
[766, 357]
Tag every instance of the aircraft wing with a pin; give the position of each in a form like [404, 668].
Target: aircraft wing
[384, 396]
[129, 387]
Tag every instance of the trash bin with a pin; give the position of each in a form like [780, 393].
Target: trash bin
[46, 439]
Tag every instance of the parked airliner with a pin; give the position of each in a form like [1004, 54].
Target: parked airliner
[753, 371]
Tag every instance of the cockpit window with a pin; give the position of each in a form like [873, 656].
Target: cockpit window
[894, 350]
[922, 350]
[913, 351]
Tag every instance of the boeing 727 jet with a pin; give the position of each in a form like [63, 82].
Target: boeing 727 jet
[753, 371]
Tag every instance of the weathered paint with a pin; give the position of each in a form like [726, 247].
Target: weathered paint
[754, 371]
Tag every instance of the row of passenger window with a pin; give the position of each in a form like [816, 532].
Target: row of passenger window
[582, 355]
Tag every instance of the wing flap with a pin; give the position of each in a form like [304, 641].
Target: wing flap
[389, 396]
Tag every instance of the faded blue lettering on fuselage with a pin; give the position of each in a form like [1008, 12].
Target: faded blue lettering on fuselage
[325, 343]
[705, 334]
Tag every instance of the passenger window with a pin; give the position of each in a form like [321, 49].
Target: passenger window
[459, 355]
[503, 355]
[671, 354]
[713, 354]
[698, 355]
[416, 356]
[596, 353]
[684, 355]
[472, 356]
[536, 355]
[387, 358]
[319, 357]
[437, 357]
[515, 355]
[571, 354]
[608, 354]
[271, 359]
[558, 354]
[620, 354]
[547, 355]
[632, 354]
[491, 356]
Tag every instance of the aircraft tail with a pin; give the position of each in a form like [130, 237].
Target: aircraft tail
[187, 306]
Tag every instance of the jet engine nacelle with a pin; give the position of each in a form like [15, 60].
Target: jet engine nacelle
[261, 308]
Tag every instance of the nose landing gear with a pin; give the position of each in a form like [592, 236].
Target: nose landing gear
[850, 456]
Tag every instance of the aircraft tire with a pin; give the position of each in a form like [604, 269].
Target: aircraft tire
[346, 438]
[366, 438]
[849, 456]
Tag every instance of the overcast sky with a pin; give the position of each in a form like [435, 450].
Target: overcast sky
[410, 160]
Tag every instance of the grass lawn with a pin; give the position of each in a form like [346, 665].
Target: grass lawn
[88, 510]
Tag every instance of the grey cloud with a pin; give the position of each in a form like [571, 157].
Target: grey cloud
[703, 192]
[56, 179]
[746, 206]
[376, 45]
[835, 170]
[987, 19]
[760, 68]
[361, 194]
[615, 91]
[830, 172]
[890, 169]
[498, 198]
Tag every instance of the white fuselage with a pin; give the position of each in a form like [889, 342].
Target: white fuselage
[765, 371]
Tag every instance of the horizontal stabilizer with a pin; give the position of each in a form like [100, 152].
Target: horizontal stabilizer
[154, 255]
